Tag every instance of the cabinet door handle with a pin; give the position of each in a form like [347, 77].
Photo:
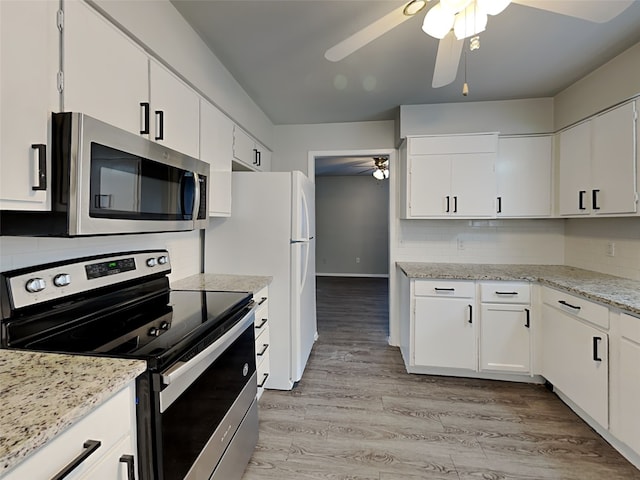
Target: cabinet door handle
[89, 446]
[596, 357]
[128, 459]
[259, 157]
[581, 195]
[159, 125]
[594, 199]
[42, 166]
[255, 156]
[455, 204]
[265, 346]
[437, 289]
[144, 118]
[567, 304]
[448, 204]
[264, 379]
[470, 314]
[262, 300]
[499, 205]
[528, 321]
[262, 323]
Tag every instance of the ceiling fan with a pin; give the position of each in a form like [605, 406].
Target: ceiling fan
[452, 21]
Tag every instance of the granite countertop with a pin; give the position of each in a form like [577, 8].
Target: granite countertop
[42, 394]
[617, 292]
[223, 282]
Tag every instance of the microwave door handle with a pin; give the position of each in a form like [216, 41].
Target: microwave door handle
[185, 189]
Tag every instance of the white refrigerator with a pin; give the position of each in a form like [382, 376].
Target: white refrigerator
[271, 232]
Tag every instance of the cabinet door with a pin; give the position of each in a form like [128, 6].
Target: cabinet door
[174, 111]
[505, 338]
[244, 148]
[613, 185]
[430, 186]
[264, 158]
[106, 75]
[28, 95]
[444, 333]
[575, 170]
[216, 148]
[473, 184]
[575, 360]
[523, 174]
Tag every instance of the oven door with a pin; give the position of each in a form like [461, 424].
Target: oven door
[204, 402]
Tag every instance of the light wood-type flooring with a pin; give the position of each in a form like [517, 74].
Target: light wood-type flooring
[357, 415]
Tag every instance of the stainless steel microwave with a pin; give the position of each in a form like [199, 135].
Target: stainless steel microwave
[107, 181]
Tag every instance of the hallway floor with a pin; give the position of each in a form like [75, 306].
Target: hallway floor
[357, 415]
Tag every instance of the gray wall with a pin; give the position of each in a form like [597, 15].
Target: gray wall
[352, 218]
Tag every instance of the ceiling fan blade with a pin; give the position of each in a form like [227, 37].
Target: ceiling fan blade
[594, 11]
[366, 35]
[447, 60]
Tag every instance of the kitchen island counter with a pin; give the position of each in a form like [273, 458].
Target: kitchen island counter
[223, 282]
[42, 394]
[614, 291]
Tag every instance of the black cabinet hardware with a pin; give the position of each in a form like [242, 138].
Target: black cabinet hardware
[528, 322]
[145, 118]
[437, 289]
[448, 204]
[581, 195]
[89, 446]
[506, 293]
[42, 166]
[264, 379]
[455, 204]
[262, 300]
[470, 313]
[264, 349]
[594, 199]
[596, 357]
[499, 204]
[159, 125]
[259, 157]
[566, 304]
[262, 323]
[131, 472]
[255, 156]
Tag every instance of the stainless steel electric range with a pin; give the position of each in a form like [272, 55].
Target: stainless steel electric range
[196, 408]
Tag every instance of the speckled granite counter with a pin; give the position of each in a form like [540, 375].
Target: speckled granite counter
[41, 394]
[615, 291]
[223, 282]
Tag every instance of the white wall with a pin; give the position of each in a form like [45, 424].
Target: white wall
[352, 220]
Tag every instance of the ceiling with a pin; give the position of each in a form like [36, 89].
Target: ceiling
[275, 50]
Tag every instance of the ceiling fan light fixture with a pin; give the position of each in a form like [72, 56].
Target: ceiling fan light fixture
[493, 7]
[438, 22]
[414, 7]
[471, 21]
[378, 174]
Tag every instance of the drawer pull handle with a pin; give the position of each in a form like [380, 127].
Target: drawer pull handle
[131, 472]
[470, 314]
[264, 321]
[506, 293]
[264, 350]
[444, 289]
[566, 304]
[596, 356]
[262, 300]
[528, 322]
[264, 379]
[89, 446]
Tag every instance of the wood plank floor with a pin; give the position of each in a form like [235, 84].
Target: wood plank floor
[357, 415]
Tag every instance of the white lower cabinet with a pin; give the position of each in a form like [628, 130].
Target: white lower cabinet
[443, 324]
[112, 424]
[261, 329]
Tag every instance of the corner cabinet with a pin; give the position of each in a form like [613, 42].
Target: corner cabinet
[263, 344]
[248, 153]
[28, 67]
[216, 148]
[449, 176]
[597, 165]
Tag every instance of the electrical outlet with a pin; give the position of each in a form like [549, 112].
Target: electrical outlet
[460, 244]
[611, 249]
[357, 259]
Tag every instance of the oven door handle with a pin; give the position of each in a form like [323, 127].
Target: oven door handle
[181, 375]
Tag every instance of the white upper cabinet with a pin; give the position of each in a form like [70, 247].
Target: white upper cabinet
[174, 115]
[106, 75]
[598, 165]
[248, 153]
[450, 176]
[216, 148]
[523, 174]
[28, 67]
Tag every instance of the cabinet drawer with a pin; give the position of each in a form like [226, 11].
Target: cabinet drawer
[577, 306]
[505, 292]
[444, 288]
[263, 371]
[436, 145]
[110, 467]
[262, 345]
[630, 327]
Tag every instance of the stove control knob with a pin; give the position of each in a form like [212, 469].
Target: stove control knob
[151, 262]
[154, 332]
[163, 259]
[35, 285]
[62, 280]
[165, 326]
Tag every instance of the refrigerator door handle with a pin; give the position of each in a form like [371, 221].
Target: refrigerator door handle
[305, 225]
[303, 280]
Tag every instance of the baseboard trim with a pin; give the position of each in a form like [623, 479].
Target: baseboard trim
[364, 275]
